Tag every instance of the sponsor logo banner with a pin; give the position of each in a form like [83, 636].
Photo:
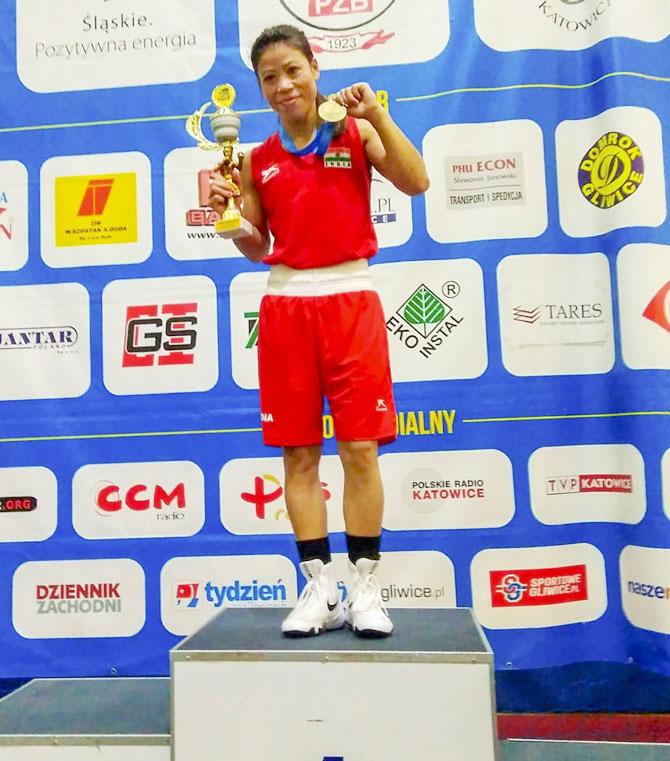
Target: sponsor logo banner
[645, 587]
[160, 335]
[487, 181]
[90, 44]
[246, 292]
[421, 579]
[643, 275]
[610, 172]
[541, 586]
[189, 221]
[589, 483]
[434, 318]
[391, 212]
[139, 499]
[96, 209]
[252, 501]
[193, 589]
[533, 587]
[44, 341]
[79, 598]
[556, 314]
[13, 215]
[348, 34]
[28, 504]
[447, 490]
[568, 24]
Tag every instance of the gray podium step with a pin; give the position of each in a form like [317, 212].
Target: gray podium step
[558, 750]
[451, 635]
[425, 692]
[73, 719]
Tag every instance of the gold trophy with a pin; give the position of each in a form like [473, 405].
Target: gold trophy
[225, 125]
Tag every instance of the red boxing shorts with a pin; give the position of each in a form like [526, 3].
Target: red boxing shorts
[322, 333]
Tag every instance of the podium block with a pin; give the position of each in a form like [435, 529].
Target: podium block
[86, 720]
[242, 692]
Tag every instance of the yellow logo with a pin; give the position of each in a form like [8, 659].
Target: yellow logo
[612, 170]
[96, 209]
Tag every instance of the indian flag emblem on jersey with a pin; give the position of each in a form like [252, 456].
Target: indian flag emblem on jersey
[337, 158]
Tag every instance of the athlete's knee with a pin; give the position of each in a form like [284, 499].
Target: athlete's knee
[301, 462]
[359, 455]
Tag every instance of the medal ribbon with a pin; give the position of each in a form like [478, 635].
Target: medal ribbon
[318, 145]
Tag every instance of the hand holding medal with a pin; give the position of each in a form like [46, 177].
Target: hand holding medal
[358, 100]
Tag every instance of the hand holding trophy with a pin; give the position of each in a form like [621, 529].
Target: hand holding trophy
[226, 128]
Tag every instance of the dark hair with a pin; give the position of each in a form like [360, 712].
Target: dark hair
[295, 38]
[285, 33]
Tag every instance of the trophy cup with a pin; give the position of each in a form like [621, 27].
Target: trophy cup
[225, 125]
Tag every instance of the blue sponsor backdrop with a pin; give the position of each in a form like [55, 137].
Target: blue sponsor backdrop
[64, 434]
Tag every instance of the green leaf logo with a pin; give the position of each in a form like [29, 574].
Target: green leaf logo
[424, 311]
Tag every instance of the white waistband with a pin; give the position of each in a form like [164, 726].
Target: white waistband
[320, 281]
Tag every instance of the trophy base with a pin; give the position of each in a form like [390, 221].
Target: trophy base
[235, 227]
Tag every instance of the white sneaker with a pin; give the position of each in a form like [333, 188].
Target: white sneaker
[365, 611]
[319, 606]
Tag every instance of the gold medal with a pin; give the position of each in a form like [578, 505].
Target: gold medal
[332, 111]
[223, 96]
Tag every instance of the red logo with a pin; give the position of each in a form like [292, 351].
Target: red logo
[95, 198]
[334, 7]
[168, 339]
[17, 504]
[538, 586]
[616, 483]
[205, 215]
[110, 498]
[6, 231]
[658, 309]
[259, 498]
[187, 595]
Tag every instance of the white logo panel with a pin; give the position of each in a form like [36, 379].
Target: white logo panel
[28, 504]
[447, 490]
[160, 335]
[252, 495]
[487, 181]
[246, 292]
[347, 34]
[533, 587]
[391, 212]
[45, 348]
[585, 484]
[13, 215]
[189, 221]
[96, 209]
[435, 318]
[665, 473]
[79, 598]
[643, 277]
[92, 44]
[568, 24]
[556, 314]
[195, 589]
[138, 499]
[421, 579]
[645, 587]
[610, 172]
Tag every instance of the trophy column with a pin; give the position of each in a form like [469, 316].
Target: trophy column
[225, 125]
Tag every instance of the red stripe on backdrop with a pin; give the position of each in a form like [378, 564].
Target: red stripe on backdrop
[616, 727]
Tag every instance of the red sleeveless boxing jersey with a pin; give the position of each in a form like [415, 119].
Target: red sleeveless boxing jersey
[317, 207]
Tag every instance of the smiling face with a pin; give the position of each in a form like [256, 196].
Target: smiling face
[288, 81]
